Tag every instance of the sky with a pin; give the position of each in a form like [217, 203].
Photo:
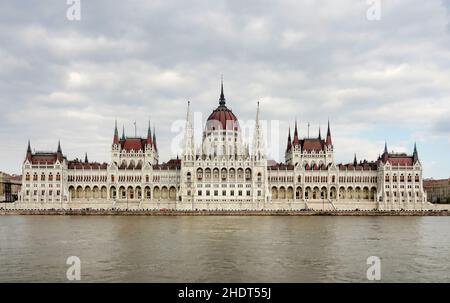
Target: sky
[376, 79]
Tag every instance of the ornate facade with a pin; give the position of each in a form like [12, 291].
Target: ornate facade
[222, 173]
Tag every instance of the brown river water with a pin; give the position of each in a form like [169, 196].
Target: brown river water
[224, 248]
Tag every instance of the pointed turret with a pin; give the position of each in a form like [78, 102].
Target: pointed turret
[385, 147]
[86, 158]
[154, 139]
[296, 141]
[259, 148]
[123, 132]
[59, 154]
[29, 154]
[222, 95]
[355, 161]
[116, 134]
[189, 149]
[289, 143]
[415, 154]
[329, 141]
[320, 136]
[149, 134]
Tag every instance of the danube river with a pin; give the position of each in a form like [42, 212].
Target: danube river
[224, 249]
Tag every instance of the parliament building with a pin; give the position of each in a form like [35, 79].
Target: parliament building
[222, 173]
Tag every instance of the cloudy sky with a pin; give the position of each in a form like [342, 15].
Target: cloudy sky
[387, 79]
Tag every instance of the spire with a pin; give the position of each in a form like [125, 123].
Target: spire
[29, 154]
[328, 141]
[296, 141]
[222, 96]
[257, 113]
[415, 153]
[385, 148]
[320, 136]
[149, 134]
[59, 151]
[123, 132]
[86, 158]
[116, 134]
[154, 139]
[355, 162]
[189, 148]
[289, 143]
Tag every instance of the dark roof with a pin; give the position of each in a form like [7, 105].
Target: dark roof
[171, 165]
[76, 164]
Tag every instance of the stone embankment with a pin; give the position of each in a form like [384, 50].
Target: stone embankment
[121, 212]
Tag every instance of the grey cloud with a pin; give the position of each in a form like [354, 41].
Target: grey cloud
[135, 60]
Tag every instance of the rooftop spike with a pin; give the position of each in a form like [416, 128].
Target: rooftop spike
[86, 158]
[415, 153]
[222, 95]
[289, 143]
[355, 161]
[154, 138]
[123, 132]
[320, 136]
[59, 151]
[116, 134]
[329, 141]
[296, 141]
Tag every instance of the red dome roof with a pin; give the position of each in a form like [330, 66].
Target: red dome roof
[222, 117]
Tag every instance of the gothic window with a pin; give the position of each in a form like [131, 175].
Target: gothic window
[43, 177]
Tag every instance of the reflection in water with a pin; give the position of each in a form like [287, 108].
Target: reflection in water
[224, 249]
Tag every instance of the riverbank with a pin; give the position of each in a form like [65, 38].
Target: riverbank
[121, 212]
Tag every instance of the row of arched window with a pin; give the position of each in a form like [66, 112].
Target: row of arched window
[395, 178]
[43, 177]
[223, 174]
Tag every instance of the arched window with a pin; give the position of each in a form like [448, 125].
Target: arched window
[42, 177]
[27, 177]
[58, 177]
[188, 177]
[50, 177]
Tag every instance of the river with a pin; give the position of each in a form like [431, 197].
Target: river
[224, 248]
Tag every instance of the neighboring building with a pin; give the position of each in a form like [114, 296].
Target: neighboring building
[9, 187]
[222, 173]
[438, 191]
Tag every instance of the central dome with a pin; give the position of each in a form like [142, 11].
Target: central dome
[222, 117]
